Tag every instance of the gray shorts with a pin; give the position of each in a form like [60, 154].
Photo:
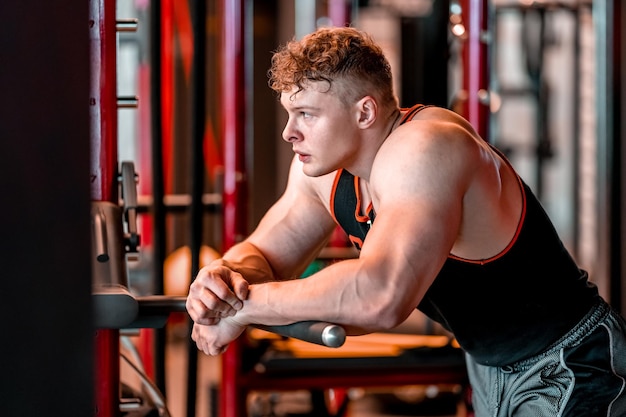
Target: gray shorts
[582, 375]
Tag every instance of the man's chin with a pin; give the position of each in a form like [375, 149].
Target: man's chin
[312, 172]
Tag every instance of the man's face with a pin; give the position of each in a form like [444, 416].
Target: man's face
[321, 129]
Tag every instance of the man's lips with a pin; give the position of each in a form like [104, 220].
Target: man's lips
[301, 155]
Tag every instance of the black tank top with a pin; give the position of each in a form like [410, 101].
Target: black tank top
[502, 309]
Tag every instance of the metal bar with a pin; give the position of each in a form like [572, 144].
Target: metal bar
[606, 17]
[158, 211]
[320, 333]
[541, 128]
[127, 102]
[233, 105]
[197, 176]
[107, 375]
[476, 64]
[339, 12]
[576, 127]
[175, 203]
[103, 140]
[234, 121]
[127, 25]
[103, 101]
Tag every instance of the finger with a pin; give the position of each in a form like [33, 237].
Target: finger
[201, 342]
[205, 345]
[217, 305]
[200, 314]
[207, 300]
[214, 288]
[231, 288]
[241, 289]
[218, 350]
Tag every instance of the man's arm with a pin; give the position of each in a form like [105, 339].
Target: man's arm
[425, 180]
[419, 181]
[291, 233]
[286, 240]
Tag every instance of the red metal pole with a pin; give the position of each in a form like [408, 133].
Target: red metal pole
[233, 122]
[476, 64]
[103, 101]
[234, 200]
[339, 12]
[103, 139]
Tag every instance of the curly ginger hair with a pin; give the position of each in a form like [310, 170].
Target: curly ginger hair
[347, 59]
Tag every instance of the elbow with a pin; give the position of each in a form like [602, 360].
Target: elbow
[379, 305]
[383, 317]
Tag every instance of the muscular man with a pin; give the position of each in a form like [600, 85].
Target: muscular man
[443, 223]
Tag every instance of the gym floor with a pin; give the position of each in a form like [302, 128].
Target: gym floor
[408, 401]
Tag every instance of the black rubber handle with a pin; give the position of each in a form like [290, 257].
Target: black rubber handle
[318, 332]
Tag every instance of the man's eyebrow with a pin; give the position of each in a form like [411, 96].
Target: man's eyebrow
[304, 107]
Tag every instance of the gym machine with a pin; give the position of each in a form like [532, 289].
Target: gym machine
[115, 235]
[116, 240]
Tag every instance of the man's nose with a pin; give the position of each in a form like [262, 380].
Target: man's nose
[289, 133]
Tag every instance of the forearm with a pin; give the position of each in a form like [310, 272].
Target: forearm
[248, 260]
[260, 309]
[278, 263]
[342, 293]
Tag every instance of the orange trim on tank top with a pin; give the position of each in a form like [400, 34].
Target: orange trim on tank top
[332, 194]
[412, 111]
[515, 236]
[356, 241]
[357, 210]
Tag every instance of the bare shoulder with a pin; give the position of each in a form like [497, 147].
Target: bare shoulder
[441, 115]
[438, 161]
[441, 123]
[436, 143]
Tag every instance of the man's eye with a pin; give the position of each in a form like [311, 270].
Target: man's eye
[305, 114]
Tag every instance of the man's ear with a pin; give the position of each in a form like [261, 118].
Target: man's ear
[367, 111]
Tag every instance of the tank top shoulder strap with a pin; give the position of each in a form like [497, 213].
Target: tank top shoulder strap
[412, 111]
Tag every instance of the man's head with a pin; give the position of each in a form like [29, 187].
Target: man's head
[346, 59]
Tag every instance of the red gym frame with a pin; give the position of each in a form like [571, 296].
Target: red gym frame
[103, 139]
[475, 63]
[237, 383]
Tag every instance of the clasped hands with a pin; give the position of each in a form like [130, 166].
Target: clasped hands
[215, 296]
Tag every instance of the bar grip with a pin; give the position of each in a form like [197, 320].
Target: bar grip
[318, 332]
